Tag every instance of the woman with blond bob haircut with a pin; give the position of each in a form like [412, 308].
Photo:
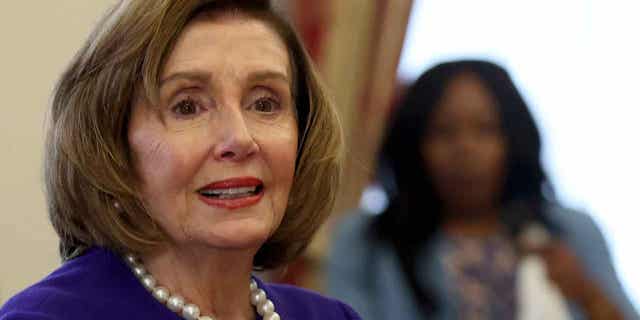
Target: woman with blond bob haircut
[190, 143]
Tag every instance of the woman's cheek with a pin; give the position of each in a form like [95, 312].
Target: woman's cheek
[162, 160]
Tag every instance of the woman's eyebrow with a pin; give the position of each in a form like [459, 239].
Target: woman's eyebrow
[204, 76]
[193, 75]
[268, 75]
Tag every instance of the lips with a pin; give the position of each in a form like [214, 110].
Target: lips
[232, 193]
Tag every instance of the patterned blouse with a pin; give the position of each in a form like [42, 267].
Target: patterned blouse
[483, 273]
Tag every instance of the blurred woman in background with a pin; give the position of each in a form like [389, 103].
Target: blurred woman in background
[467, 187]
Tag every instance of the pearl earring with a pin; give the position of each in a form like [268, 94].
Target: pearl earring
[117, 205]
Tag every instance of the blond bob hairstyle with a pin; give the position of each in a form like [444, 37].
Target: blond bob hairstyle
[88, 164]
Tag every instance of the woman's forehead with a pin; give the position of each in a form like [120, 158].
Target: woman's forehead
[230, 45]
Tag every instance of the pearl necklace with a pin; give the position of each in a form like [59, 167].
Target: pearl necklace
[190, 311]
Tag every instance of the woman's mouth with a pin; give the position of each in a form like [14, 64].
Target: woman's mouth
[232, 193]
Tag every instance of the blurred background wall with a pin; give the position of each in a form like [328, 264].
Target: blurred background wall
[37, 38]
[574, 60]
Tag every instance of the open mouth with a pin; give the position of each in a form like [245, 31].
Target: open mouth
[231, 193]
[234, 193]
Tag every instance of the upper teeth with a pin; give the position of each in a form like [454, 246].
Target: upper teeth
[230, 191]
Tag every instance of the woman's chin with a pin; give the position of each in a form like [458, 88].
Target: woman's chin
[234, 236]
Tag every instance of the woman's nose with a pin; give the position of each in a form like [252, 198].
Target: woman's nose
[235, 142]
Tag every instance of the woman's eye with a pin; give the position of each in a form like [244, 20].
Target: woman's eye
[442, 131]
[185, 108]
[265, 105]
[489, 129]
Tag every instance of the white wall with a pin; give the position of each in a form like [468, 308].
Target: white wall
[577, 62]
[37, 39]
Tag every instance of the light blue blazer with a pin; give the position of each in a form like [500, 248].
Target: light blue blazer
[367, 275]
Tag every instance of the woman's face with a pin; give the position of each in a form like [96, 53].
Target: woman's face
[464, 147]
[216, 154]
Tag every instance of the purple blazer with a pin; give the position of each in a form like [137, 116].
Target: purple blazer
[99, 285]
